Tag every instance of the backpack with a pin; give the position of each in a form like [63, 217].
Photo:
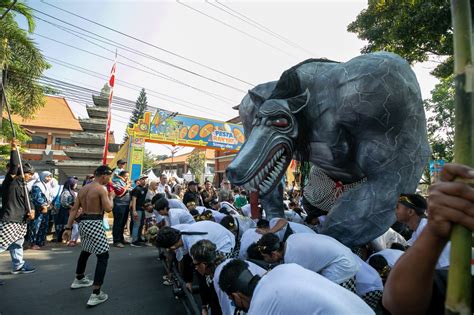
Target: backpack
[56, 202]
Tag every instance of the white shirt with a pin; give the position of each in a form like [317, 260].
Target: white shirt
[247, 210]
[218, 216]
[387, 239]
[390, 255]
[179, 216]
[292, 216]
[159, 217]
[224, 301]
[322, 254]
[367, 278]
[244, 224]
[292, 289]
[230, 207]
[216, 233]
[443, 260]
[162, 188]
[248, 238]
[150, 194]
[201, 209]
[215, 214]
[296, 227]
[176, 203]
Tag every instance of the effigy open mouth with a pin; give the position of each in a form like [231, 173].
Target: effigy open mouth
[271, 171]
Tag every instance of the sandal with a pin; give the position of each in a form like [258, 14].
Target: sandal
[167, 282]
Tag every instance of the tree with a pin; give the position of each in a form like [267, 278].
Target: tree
[196, 161]
[148, 160]
[160, 157]
[140, 108]
[23, 60]
[6, 131]
[441, 123]
[416, 30]
[25, 63]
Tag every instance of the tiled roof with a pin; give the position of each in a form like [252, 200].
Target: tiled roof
[56, 114]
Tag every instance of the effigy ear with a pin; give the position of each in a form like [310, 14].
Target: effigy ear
[299, 102]
[256, 98]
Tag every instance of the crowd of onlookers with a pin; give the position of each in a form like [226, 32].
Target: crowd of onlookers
[132, 212]
[243, 260]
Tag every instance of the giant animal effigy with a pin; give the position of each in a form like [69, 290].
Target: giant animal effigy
[360, 122]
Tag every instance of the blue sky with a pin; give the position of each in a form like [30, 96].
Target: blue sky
[318, 26]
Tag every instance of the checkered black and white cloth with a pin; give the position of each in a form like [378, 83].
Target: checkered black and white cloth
[372, 298]
[10, 232]
[231, 254]
[349, 285]
[322, 191]
[93, 238]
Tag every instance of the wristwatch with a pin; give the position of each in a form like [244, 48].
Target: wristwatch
[68, 228]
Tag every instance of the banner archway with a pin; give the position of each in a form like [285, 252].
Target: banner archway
[180, 130]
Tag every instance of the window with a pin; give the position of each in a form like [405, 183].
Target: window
[211, 168]
[63, 141]
[38, 140]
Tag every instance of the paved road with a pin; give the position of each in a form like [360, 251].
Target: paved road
[133, 282]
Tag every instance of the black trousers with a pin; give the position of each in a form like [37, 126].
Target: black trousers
[208, 295]
[121, 213]
[100, 267]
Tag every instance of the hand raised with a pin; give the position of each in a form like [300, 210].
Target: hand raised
[451, 200]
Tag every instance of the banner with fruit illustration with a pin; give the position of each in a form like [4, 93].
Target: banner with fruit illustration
[170, 128]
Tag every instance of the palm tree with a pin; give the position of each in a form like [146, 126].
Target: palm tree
[22, 59]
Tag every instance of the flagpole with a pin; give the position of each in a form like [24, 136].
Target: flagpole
[109, 111]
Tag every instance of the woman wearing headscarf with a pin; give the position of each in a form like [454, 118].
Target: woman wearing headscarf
[41, 196]
[66, 199]
[179, 191]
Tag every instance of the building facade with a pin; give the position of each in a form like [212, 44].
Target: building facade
[51, 131]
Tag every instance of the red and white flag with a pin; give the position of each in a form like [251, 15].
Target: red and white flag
[109, 114]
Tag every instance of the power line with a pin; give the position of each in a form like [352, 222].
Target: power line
[118, 84]
[236, 29]
[216, 96]
[8, 9]
[258, 25]
[85, 100]
[132, 50]
[161, 73]
[136, 39]
[54, 83]
[83, 97]
[163, 96]
[154, 72]
[69, 87]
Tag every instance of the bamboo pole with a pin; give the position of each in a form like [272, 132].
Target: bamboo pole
[459, 296]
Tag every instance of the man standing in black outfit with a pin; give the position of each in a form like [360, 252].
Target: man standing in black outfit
[137, 212]
[208, 194]
[15, 212]
[192, 195]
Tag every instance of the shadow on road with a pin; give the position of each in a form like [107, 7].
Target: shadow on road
[133, 282]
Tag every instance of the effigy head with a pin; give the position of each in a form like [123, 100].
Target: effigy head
[265, 156]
